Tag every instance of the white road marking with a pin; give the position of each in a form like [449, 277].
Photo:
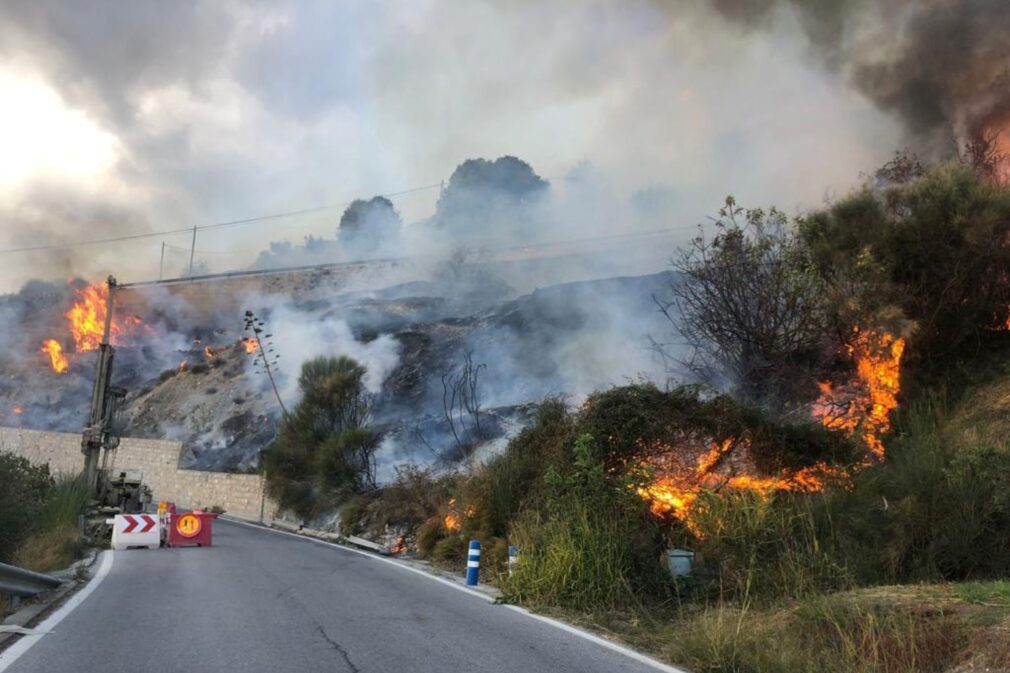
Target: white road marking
[568, 628]
[12, 653]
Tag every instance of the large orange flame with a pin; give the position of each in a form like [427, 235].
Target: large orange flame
[863, 406]
[250, 345]
[57, 359]
[87, 317]
[86, 321]
[677, 483]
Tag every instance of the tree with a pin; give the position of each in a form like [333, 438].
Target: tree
[749, 306]
[323, 453]
[483, 197]
[366, 225]
[461, 404]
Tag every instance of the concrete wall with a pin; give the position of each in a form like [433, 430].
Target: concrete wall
[238, 494]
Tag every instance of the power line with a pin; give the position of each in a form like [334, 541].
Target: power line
[216, 225]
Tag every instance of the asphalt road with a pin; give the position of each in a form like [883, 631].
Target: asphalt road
[260, 601]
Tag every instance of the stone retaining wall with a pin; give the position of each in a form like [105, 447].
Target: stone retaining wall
[240, 495]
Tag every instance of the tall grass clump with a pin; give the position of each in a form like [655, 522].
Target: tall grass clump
[754, 547]
[587, 546]
[56, 539]
[65, 502]
[821, 634]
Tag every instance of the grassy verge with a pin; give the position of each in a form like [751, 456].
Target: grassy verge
[900, 629]
[56, 540]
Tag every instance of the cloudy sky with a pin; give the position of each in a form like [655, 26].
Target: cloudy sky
[120, 118]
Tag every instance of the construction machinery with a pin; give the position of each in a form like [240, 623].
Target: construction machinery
[114, 490]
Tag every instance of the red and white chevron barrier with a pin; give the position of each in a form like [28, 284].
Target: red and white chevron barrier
[136, 530]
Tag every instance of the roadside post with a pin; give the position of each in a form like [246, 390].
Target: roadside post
[473, 563]
[513, 558]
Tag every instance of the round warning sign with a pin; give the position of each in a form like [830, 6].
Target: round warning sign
[188, 525]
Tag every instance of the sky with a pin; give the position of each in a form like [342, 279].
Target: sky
[119, 119]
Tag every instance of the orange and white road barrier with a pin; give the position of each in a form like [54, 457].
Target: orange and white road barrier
[136, 530]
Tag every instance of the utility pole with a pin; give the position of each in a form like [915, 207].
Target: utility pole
[161, 264]
[94, 438]
[192, 251]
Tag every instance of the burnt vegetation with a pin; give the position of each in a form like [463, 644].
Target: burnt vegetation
[836, 352]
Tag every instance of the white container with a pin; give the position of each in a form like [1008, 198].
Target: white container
[136, 530]
[679, 561]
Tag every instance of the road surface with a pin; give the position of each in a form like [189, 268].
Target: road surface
[261, 601]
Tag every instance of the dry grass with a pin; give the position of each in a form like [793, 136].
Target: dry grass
[49, 550]
[942, 628]
[985, 415]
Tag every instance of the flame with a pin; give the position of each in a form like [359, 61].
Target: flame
[18, 410]
[57, 359]
[863, 407]
[250, 345]
[86, 319]
[676, 484]
[399, 547]
[451, 520]
[183, 366]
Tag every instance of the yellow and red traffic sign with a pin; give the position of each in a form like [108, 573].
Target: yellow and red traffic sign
[188, 525]
[190, 528]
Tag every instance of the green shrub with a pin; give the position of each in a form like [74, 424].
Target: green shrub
[428, 535]
[450, 551]
[23, 491]
[624, 421]
[353, 514]
[932, 249]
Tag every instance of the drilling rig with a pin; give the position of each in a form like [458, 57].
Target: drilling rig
[114, 491]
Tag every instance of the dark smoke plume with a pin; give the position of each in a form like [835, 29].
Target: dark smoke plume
[939, 65]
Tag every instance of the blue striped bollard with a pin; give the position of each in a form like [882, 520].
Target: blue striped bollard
[513, 558]
[473, 563]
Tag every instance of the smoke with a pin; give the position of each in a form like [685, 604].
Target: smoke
[551, 122]
[223, 110]
[300, 335]
[940, 66]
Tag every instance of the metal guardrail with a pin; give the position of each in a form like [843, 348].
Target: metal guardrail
[24, 583]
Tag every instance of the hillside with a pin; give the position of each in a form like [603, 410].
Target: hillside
[190, 377]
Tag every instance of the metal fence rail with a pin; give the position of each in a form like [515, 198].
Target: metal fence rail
[24, 583]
